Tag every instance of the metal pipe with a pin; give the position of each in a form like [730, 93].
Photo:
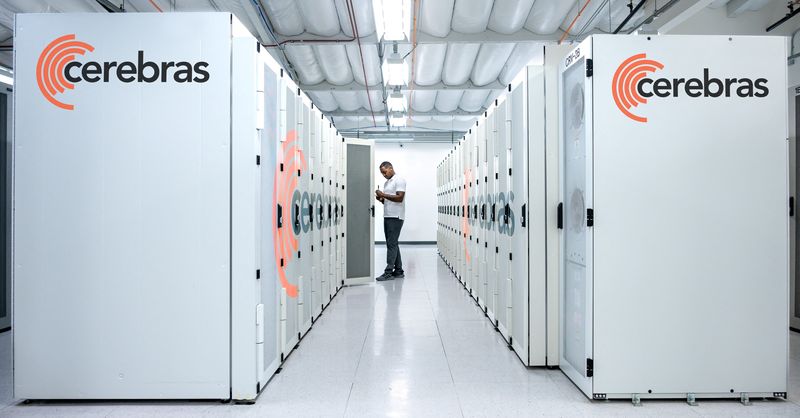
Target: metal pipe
[655, 14]
[351, 10]
[630, 15]
[791, 14]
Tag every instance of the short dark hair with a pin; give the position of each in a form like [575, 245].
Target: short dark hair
[386, 164]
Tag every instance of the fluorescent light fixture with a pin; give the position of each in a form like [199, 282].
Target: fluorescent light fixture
[396, 102]
[397, 119]
[392, 19]
[395, 71]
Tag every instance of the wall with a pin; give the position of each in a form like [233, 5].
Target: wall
[416, 162]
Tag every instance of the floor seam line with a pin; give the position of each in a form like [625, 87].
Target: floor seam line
[358, 363]
[444, 349]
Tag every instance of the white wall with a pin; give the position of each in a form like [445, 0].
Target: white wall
[416, 162]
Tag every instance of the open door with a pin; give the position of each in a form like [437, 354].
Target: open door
[576, 194]
[359, 211]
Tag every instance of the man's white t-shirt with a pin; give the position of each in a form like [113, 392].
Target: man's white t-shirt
[394, 209]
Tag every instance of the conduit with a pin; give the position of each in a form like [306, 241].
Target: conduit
[152, 2]
[361, 53]
[413, 61]
[575, 19]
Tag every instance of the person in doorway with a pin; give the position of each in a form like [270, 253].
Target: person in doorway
[394, 207]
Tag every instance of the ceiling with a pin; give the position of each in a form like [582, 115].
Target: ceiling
[466, 52]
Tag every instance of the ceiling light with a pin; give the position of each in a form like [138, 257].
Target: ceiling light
[397, 119]
[396, 102]
[395, 70]
[392, 19]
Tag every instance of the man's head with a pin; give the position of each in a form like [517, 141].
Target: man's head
[387, 170]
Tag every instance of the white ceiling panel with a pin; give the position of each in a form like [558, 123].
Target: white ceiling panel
[472, 100]
[284, 16]
[365, 18]
[334, 63]
[423, 100]
[319, 16]
[323, 100]
[428, 63]
[522, 55]
[509, 16]
[305, 63]
[546, 15]
[376, 95]
[435, 17]
[471, 16]
[372, 64]
[458, 63]
[490, 61]
[348, 100]
[447, 100]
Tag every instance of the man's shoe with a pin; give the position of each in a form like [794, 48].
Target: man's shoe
[383, 277]
[399, 275]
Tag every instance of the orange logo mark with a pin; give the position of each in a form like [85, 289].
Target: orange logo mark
[50, 67]
[626, 78]
[285, 243]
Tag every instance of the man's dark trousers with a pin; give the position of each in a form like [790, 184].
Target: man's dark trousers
[391, 229]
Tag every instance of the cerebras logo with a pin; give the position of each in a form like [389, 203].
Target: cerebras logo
[631, 86]
[57, 70]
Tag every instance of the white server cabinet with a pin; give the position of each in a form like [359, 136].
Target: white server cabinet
[167, 248]
[674, 258]
[471, 214]
[290, 161]
[126, 237]
[533, 210]
[315, 160]
[300, 220]
[507, 232]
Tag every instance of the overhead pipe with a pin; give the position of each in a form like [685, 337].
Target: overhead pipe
[111, 7]
[658, 12]
[791, 14]
[353, 22]
[634, 10]
[414, 13]
[575, 19]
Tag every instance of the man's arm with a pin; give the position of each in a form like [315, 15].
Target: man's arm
[393, 197]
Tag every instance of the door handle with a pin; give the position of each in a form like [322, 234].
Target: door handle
[297, 215]
[372, 210]
[280, 216]
[311, 215]
[524, 215]
[561, 215]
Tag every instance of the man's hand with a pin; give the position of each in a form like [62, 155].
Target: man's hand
[379, 194]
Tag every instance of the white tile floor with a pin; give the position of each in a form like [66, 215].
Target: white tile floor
[413, 347]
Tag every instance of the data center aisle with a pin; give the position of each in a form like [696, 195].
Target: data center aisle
[412, 347]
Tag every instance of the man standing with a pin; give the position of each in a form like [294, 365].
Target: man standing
[394, 208]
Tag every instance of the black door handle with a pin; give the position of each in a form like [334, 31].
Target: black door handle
[791, 205]
[561, 216]
[280, 216]
[372, 210]
[311, 215]
[297, 215]
[494, 210]
[524, 215]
